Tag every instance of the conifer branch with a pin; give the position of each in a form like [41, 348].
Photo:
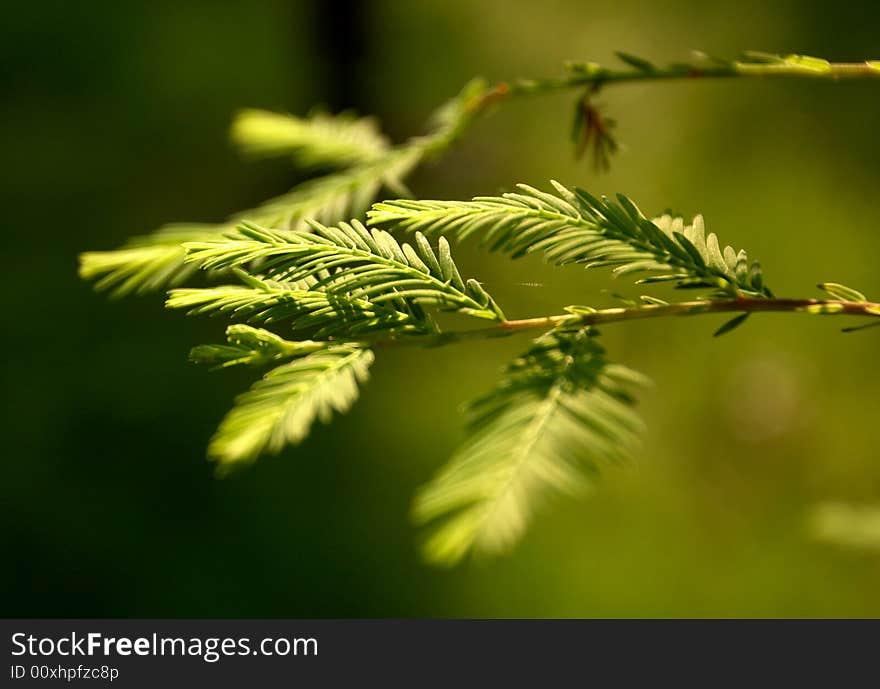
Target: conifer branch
[322, 140]
[574, 227]
[585, 315]
[319, 312]
[144, 264]
[753, 64]
[592, 129]
[577, 316]
[352, 261]
[280, 409]
[366, 163]
[561, 410]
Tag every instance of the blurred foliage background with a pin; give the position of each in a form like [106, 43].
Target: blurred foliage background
[115, 121]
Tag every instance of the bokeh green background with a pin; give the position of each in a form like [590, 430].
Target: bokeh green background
[114, 122]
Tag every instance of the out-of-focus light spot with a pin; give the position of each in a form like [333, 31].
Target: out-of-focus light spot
[849, 526]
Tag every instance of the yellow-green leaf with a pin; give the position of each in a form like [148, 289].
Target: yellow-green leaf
[843, 292]
[813, 64]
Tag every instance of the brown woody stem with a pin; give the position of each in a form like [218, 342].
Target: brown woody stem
[827, 307]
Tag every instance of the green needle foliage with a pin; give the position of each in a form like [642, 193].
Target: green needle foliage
[560, 411]
[144, 264]
[316, 311]
[334, 283]
[306, 266]
[362, 163]
[352, 261]
[319, 141]
[156, 261]
[576, 227]
[333, 197]
[280, 408]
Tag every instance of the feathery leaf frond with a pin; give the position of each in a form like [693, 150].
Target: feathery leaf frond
[144, 264]
[156, 261]
[334, 197]
[323, 313]
[280, 409]
[560, 412]
[250, 347]
[351, 260]
[320, 140]
[575, 227]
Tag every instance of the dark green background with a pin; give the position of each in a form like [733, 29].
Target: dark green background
[114, 122]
